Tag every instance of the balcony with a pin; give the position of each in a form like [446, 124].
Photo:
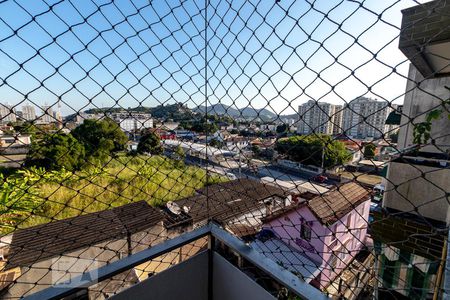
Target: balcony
[425, 40]
[207, 275]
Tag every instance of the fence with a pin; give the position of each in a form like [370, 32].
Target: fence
[125, 124]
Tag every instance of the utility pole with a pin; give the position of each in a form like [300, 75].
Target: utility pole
[323, 158]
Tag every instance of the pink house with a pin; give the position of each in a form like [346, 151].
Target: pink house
[329, 229]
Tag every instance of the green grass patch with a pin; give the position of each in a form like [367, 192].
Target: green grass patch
[122, 180]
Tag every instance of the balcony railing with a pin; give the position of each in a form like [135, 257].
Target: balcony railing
[219, 240]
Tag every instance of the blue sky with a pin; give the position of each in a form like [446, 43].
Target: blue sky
[260, 53]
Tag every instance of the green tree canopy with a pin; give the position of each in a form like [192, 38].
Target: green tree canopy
[180, 155]
[100, 137]
[56, 151]
[203, 126]
[308, 149]
[369, 151]
[150, 143]
[283, 128]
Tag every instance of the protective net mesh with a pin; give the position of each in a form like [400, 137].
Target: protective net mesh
[316, 131]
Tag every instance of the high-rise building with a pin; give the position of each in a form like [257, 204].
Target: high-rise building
[47, 116]
[337, 119]
[365, 117]
[316, 117]
[7, 113]
[28, 112]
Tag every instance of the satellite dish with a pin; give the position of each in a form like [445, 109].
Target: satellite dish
[173, 207]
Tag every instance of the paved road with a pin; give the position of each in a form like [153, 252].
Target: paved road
[266, 171]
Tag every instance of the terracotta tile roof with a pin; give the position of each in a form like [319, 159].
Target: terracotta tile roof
[230, 199]
[242, 187]
[331, 206]
[37, 243]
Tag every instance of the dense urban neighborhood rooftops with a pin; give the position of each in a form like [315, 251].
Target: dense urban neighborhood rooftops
[329, 207]
[30, 245]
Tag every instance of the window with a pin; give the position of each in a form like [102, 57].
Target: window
[333, 261]
[333, 243]
[305, 230]
[334, 239]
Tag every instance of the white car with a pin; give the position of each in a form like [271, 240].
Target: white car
[231, 176]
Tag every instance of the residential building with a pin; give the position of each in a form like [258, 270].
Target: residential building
[93, 240]
[420, 100]
[235, 143]
[262, 127]
[85, 243]
[409, 254]
[28, 112]
[319, 117]
[135, 123]
[164, 134]
[7, 113]
[128, 124]
[328, 229]
[15, 140]
[231, 142]
[237, 205]
[47, 115]
[393, 120]
[337, 119]
[365, 117]
[410, 232]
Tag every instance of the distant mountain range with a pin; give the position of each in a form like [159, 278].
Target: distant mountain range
[180, 112]
[246, 112]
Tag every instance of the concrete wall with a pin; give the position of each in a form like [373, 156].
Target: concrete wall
[231, 283]
[420, 100]
[411, 186]
[189, 280]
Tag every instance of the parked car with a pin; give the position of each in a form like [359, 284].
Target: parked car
[319, 178]
[231, 176]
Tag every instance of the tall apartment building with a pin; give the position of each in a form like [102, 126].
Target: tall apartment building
[7, 113]
[365, 117]
[337, 119]
[28, 112]
[47, 115]
[317, 117]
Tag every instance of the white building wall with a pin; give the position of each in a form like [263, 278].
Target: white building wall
[317, 117]
[7, 113]
[420, 101]
[28, 112]
[365, 117]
